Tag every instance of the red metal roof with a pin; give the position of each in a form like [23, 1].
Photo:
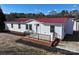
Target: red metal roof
[52, 20]
[45, 20]
[19, 20]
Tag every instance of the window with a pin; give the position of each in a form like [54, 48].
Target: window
[30, 27]
[52, 28]
[11, 25]
[19, 26]
[26, 26]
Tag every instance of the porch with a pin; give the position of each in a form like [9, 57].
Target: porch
[45, 41]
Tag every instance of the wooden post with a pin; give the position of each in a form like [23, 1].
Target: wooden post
[37, 35]
[37, 30]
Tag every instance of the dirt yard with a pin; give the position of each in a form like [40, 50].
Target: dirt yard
[11, 44]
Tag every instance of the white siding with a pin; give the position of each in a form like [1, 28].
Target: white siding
[59, 30]
[74, 26]
[45, 29]
[42, 29]
[15, 27]
[77, 25]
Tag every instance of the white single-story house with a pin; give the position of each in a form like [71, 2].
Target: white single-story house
[47, 28]
[76, 25]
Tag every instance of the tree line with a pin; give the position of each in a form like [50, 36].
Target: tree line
[2, 19]
[63, 13]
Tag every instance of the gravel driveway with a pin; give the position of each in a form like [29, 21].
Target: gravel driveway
[12, 45]
[70, 46]
[70, 43]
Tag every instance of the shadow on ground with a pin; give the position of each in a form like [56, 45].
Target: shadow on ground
[74, 37]
[50, 49]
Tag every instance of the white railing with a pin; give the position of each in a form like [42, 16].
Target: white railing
[56, 35]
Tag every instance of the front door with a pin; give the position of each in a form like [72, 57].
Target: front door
[52, 30]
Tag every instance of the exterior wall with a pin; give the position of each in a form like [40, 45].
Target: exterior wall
[60, 31]
[42, 29]
[45, 29]
[75, 26]
[68, 29]
[15, 27]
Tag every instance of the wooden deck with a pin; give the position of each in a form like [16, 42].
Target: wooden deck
[41, 42]
[34, 40]
[37, 41]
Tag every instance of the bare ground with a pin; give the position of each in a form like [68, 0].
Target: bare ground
[12, 45]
